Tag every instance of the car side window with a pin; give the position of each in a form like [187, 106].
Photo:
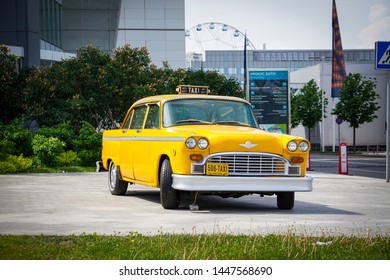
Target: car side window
[127, 121]
[153, 118]
[138, 117]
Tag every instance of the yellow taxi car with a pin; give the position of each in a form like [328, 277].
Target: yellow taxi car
[203, 144]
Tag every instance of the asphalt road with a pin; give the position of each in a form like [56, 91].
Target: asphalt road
[64, 204]
[372, 165]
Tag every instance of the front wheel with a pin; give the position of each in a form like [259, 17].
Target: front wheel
[169, 197]
[115, 184]
[285, 200]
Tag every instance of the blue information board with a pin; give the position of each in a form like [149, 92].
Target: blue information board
[382, 55]
[269, 96]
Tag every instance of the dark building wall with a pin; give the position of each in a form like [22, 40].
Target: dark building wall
[19, 26]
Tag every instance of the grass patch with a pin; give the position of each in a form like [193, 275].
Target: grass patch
[193, 247]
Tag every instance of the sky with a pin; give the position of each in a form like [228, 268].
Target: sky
[296, 24]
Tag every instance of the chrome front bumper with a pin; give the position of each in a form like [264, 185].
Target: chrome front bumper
[242, 184]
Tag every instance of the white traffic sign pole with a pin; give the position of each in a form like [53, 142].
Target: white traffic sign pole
[387, 128]
[382, 57]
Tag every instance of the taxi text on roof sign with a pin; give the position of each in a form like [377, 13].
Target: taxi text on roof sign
[192, 89]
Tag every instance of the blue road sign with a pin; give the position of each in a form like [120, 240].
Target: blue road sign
[382, 55]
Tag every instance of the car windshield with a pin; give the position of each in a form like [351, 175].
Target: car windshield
[207, 111]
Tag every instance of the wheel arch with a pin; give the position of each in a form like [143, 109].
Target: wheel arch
[162, 158]
[106, 162]
[109, 160]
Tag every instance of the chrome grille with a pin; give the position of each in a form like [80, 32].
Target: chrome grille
[253, 164]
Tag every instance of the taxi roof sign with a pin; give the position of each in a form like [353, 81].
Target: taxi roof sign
[186, 89]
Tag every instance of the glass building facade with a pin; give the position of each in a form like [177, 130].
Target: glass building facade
[43, 32]
[231, 63]
[50, 19]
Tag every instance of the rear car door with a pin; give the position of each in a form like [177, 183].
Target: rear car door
[128, 144]
[147, 136]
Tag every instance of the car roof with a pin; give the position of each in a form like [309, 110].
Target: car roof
[168, 97]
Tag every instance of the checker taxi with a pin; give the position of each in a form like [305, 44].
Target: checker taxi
[195, 143]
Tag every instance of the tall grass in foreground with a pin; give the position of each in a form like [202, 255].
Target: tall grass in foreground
[193, 247]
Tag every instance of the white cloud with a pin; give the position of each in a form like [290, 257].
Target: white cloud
[378, 29]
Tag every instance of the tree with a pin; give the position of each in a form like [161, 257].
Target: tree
[127, 78]
[44, 102]
[99, 88]
[358, 102]
[166, 80]
[219, 84]
[93, 87]
[10, 93]
[306, 106]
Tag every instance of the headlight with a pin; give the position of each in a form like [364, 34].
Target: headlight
[303, 146]
[292, 146]
[203, 143]
[191, 143]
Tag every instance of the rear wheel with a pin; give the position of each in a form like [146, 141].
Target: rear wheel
[169, 197]
[115, 184]
[285, 200]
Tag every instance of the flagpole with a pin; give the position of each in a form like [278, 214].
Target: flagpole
[387, 129]
[322, 108]
[333, 128]
[246, 88]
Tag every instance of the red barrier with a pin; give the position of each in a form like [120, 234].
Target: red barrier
[308, 164]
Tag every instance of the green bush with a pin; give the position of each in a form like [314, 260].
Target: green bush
[5, 147]
[15, 164]
[47, 149]
[68, 158]
[88, 145]
[62, 131]
[7, 167]
[51, 146]
[17, 139]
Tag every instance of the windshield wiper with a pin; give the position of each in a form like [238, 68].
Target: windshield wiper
[192, 121]
[233, 123]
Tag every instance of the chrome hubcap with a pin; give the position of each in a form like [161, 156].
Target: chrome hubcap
[112, 177]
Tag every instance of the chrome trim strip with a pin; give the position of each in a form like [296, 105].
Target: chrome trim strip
[153, 139]
[242, 184]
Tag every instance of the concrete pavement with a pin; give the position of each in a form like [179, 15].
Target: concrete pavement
[77, 203]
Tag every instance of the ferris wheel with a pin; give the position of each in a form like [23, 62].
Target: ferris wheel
[215, 36]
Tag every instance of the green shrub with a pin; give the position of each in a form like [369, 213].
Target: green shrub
[88, 145]
[68, 158]
[17, 138]
[15, 164]
[7, 167]
[62, 131]
[47, 149]
[5, 147]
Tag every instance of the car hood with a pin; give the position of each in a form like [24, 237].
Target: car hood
[223, 138]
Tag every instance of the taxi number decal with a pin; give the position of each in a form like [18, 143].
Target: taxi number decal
[217, 169]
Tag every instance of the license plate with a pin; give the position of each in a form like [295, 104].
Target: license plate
[217, 169]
